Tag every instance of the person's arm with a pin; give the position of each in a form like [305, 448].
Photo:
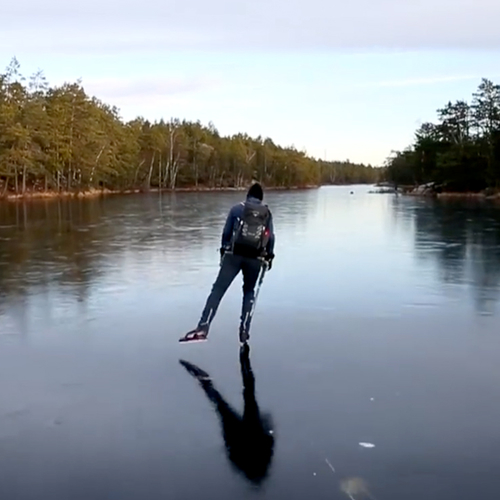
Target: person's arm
[272, 237]
[227, 232]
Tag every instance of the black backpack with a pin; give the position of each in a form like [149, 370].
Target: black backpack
[251, 235]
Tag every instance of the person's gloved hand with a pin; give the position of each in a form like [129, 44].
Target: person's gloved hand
[222, 252]
[269, 260]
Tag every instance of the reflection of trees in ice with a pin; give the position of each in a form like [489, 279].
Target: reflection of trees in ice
[463, 238]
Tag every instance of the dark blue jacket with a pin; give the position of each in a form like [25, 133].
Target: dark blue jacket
[234, 215]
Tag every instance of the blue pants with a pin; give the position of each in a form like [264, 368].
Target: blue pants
[230, 267]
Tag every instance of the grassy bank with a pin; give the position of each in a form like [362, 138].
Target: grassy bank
[92, 193]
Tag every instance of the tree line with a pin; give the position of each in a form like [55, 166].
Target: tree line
[61, 139]
[461, 152]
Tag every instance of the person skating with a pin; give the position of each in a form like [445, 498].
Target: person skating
[247, 245]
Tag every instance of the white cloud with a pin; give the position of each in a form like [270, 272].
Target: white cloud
[95, 26]
[412, 82]
[150, 87]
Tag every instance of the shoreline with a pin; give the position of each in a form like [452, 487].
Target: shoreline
[457, 195]
[485, 196]
[94, 193]
[427, 191]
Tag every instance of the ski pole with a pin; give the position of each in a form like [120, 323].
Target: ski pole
[262, 273]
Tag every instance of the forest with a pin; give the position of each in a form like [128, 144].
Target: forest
[458, 153]
[59, 139]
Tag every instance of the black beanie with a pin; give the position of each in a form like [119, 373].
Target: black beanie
[256, 192]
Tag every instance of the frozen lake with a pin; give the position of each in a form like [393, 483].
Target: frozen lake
[375, 351]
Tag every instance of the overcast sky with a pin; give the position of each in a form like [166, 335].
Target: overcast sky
[342, 79]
